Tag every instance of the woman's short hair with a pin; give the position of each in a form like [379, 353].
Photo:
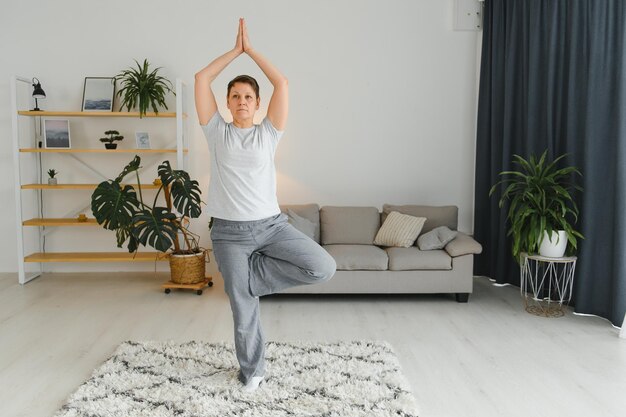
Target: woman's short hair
[244, 79]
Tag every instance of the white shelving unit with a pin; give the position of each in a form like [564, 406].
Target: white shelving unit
[25, 146]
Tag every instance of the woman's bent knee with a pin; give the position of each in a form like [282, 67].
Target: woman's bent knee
[326, 269]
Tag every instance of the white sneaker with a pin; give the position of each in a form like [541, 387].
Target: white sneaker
[253, 384]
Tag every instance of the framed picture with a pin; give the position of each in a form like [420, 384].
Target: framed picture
[98, 94]
[143, 140]
[56, 133]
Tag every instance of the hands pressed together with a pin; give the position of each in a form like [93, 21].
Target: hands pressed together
[242, 44]
[206, 105]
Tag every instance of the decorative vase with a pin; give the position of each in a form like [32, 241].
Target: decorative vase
[52, 181]
[187, 269]
[556, 247]
[110, 145]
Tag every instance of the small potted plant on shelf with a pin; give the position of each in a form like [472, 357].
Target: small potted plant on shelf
[122, 208]
[542, 211]
[52, 173]
[143, 88]
[114, 136]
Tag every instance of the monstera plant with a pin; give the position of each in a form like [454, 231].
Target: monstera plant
[122, 208]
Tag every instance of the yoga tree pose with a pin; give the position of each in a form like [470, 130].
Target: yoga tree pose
[257, 251]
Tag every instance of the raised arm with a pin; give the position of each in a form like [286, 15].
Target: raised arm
[278, 107]
[206, 105]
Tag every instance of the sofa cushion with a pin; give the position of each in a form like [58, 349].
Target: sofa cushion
[358, 257]
[463, 244]
[437, 238]
[308, 211]
[303, 224]
[399, 230]
[404, 259]
[435, 215]
[349, 225]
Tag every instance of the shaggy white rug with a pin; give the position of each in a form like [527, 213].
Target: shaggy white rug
[198, 379]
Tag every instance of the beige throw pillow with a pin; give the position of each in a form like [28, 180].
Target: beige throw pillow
[399, 230]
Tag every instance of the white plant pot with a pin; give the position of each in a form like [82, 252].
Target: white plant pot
[52, 181]
[556, 247]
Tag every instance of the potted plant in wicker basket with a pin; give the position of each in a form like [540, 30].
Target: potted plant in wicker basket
[122, 208]
[542, 211]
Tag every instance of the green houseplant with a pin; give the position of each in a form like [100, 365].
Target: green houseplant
[541, 203]
[113, 135]
[52, 173]
[122, 208]
[143, 88]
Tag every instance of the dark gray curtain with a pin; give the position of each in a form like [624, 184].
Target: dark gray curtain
[553, 76]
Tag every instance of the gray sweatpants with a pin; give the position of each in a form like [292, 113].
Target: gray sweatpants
[257, 258]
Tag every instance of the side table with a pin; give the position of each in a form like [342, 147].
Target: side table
[546, 283]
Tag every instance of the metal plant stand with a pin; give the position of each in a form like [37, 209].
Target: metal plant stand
[546, 283]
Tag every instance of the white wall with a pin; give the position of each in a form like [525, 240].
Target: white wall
[382, 94]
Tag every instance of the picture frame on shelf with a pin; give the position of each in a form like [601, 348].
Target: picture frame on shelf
[98, 94]
[143, 140]
[56, 133]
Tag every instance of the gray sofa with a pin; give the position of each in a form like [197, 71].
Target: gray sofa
[348, 233]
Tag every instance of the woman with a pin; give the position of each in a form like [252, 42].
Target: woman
[257, 251]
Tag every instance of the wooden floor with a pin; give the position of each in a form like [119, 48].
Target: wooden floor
[485, 358]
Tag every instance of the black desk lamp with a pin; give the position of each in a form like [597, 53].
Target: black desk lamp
[38, 93]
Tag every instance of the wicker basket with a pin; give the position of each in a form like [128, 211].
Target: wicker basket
[187, 269]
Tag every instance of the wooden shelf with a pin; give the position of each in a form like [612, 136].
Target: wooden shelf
[43, 150]
[96, 257]
[90, 154]
[60, 222]
[78, 186]
[95, 114]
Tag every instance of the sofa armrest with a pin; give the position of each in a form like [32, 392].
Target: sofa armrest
[463, 244]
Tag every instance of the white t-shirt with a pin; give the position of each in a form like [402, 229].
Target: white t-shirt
[243, 177]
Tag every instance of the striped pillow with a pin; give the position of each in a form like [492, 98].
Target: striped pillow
[399, 230]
